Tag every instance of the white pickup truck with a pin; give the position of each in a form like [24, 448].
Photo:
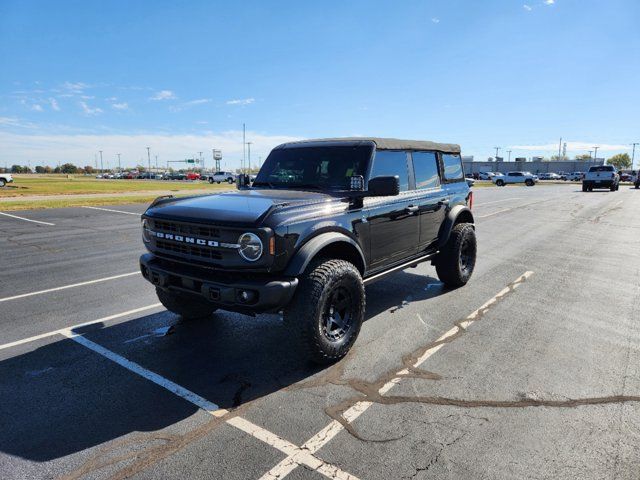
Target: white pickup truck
[528, 178]
[219, 177]
[5, 178]
[603, 176]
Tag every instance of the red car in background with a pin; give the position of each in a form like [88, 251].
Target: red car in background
[192, 176]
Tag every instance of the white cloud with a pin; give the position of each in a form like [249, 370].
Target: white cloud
[89, 110]
[121, 106]
[164, 95]
[199, 101]
[76, 87]
[549, 2]
[241, 101]
[54, 104]
[15, 122]
[80, 147]
[36, 107]
[527, 7]
[435, 20]
[573, 146]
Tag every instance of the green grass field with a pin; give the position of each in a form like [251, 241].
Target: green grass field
[78, 184]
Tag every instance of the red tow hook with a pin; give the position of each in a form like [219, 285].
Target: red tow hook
[470, 200]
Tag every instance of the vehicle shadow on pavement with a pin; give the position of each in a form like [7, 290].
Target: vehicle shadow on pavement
[63, 398]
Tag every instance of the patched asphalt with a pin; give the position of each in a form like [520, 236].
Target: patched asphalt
[544, 384]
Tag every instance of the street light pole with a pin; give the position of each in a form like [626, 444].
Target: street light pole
[249, 155]
[595, 154]
[633, 153]
[200, 161]
[149, 161]
[244, 159]
[101, 169]
[497, 149]
[119, 167]
[509, 152]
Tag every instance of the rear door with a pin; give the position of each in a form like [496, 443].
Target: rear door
[430, 197]
[394, 222]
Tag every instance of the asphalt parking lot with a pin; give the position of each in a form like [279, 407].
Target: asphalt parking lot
[530, 371]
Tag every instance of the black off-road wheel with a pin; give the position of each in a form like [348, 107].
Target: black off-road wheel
[457, 259]
[637, 185]
[327, 310]
[189, 307]
[612, 188]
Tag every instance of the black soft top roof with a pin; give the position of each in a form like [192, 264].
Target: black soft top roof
[380, 143]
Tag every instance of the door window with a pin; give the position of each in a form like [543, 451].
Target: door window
[391, 163]
[452, 166]
[425, 167]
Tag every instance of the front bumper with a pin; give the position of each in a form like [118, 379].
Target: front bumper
[263, 293]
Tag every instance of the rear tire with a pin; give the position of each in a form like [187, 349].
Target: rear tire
[230, 180]
[211, 181]
[500, 183]
[528, 183]
[2, 182]
[189, 307]
[456, 261]
[327, 310]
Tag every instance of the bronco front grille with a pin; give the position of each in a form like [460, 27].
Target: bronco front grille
[191, 250]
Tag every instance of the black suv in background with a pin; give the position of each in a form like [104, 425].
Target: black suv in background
[323, 219]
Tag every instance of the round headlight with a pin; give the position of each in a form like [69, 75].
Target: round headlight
[146, 237]
[250, 246]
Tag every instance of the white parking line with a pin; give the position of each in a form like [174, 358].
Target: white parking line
[298, 456]
[112, 210]
[79, 325]
[325, 435]
[56, 289]
[27, 220]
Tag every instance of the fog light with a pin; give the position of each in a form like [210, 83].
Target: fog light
[246, 296]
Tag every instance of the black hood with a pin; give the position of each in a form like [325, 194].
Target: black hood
[242, 207]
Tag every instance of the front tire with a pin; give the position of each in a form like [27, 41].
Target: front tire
[457, 259]
[187, 306]
[327, 310]
[528, 183]
[584, 187]
[500, 183]
[2, 182]
[211, 181]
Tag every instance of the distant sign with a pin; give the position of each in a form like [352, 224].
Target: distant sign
[217, 155]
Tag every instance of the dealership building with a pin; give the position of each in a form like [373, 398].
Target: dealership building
[536, 165]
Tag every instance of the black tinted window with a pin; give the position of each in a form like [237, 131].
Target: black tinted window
[425, 166]
[452, 166]
[603, 168]
[314, 167]
[389, 163]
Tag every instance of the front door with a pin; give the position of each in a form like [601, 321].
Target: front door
[394, 222]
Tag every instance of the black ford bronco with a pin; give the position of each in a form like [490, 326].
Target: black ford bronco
[322, 219]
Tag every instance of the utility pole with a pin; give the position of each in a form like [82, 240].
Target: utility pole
[101, 169]
[497, 150]
[595, 155]
[590, 156]
[509, 152]
[119, 167]
[249, 155]
[200, 160]
[633, 153]
[244, 159]
[560, 149]
[149, 160]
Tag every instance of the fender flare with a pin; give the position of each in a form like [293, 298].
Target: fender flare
[451, 220]
[309, 250]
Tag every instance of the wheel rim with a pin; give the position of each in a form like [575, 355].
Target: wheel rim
[337, 318]
[467, 255]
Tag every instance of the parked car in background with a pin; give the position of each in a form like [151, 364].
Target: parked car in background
[636, 182]
[575, 176]
[549, 176]
[5, 178]
[192, 176]
[528, 178]
[486, 175]
[174, 176]
[603, 176]
[219, 177]
[626, 177]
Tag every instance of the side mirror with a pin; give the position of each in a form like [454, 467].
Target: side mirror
[243, 181]
[384, 186]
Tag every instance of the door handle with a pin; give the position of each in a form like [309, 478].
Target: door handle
[444, 201]
[412, 209]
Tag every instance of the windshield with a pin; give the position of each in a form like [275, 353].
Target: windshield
[321, 168]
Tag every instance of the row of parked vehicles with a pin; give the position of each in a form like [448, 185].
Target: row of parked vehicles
[217, 177]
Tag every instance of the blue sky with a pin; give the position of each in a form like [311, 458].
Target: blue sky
[182, 77]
